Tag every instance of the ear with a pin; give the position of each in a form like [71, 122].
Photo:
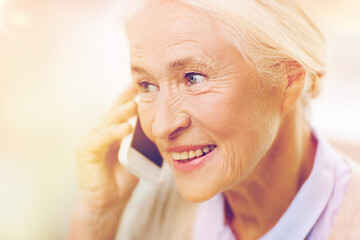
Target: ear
[295, 85]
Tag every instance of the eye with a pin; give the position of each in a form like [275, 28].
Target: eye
[147, 87]
[193, 78]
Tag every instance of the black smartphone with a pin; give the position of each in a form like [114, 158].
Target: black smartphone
[140, 155]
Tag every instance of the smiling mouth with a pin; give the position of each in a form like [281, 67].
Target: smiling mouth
[192, 154]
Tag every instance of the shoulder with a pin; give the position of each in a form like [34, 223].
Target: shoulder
[157, 212]
[347, 223]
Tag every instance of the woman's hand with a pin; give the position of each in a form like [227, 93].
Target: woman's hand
[105, 185]
[103, 181]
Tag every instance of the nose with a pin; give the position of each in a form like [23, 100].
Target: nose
[169, 123]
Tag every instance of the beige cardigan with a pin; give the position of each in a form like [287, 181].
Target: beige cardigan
[159, 212]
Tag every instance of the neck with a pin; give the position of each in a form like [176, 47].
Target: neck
[254, 205]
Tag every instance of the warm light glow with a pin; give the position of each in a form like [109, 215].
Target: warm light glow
[2, 26]
[62, 65]
[20, 19]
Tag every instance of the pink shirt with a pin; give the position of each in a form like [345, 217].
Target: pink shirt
[310, 215]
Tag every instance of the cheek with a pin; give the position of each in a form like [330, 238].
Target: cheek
[241, 123]
[223, 117]
[222, 113]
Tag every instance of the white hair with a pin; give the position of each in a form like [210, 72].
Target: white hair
[275, 36]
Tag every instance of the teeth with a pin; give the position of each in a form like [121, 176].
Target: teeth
[199, 152]
[206, 149]
[184, 155]
[192, 153]
[176, 155]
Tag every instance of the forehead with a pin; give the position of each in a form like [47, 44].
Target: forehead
[168, 29]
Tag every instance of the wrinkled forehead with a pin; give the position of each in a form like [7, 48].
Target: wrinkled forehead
[164, 24]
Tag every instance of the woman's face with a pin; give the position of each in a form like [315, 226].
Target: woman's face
[198, 94]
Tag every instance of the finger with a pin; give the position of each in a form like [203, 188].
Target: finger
[101, 141]
[112, 151]
[119, 115]
[129, 93]
[127, 186]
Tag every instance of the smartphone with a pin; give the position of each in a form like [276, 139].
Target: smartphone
[140, 155]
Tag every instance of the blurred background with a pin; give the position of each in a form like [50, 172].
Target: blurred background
[63, 63]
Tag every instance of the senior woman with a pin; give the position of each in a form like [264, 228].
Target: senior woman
[235, 77]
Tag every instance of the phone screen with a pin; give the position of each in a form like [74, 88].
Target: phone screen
[145, 146]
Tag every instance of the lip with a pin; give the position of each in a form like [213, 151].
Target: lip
[186, 148]
[192, 165]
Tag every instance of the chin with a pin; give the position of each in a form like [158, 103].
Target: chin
[196, 190]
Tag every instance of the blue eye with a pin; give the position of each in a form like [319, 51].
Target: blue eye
[194, 78]
[147, 87]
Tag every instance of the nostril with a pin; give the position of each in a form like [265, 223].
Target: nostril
[176, 133]
[167, 127]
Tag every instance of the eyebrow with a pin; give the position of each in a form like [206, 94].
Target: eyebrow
[174, 65]
[137, 69]
[185, 62]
